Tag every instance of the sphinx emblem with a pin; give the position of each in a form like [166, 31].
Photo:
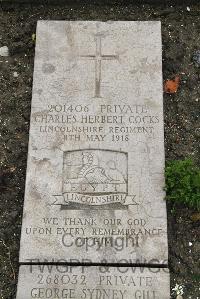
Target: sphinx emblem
[87, 171]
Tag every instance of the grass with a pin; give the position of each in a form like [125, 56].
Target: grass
[183, 183]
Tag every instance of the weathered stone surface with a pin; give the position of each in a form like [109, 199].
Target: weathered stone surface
[94, 187]
[92, 282]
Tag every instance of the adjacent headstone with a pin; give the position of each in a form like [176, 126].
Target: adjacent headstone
[94, 186]
[92, 282]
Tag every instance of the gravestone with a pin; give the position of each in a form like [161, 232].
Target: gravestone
[92, 282]
[94, 186]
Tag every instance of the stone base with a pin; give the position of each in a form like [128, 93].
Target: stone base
[92, 282]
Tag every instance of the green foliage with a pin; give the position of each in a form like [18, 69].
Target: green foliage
[183, 183]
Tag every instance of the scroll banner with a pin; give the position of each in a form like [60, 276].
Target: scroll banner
[87, 199]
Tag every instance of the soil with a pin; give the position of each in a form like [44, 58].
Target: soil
[181, 40]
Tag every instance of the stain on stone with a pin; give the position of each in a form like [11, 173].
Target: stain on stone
[48, 68]
[39, 91]
[34, 193]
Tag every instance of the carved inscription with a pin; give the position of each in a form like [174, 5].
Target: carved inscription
[93, 282]
[114, 123]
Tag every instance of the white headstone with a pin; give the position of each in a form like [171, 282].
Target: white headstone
[95, 175]
[92, 282]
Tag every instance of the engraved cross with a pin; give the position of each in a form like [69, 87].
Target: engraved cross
[98, 58]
